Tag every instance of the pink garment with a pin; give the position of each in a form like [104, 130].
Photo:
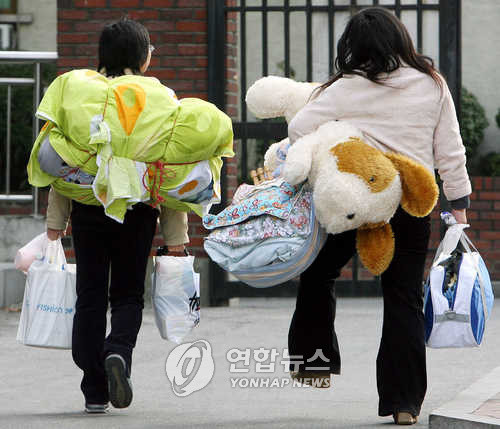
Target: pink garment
[408, 114]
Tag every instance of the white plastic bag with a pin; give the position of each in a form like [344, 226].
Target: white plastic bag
[49, 301]
[175, 296]
[35, 249]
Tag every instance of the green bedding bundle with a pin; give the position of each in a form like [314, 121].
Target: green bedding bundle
[133, 134]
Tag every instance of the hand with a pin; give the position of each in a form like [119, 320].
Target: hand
[179, 250]
[54, 234]
[460, 215]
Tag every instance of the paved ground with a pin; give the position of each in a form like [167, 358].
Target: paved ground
[39, 388]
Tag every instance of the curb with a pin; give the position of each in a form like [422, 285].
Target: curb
[496, 287]
[473, 408]
[11, 284]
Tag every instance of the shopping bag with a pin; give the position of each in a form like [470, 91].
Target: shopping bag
[35, 249]
[49, 301]
[175, 296]
[458, 293]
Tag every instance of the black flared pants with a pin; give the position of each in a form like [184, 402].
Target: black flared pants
[103, 247]
[401, 366]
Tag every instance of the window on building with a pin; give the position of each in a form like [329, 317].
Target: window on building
[6, 37]
[8, 6]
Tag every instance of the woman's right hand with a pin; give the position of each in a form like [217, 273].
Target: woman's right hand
[54, 234]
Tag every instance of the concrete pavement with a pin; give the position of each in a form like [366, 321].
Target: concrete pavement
[39, 388]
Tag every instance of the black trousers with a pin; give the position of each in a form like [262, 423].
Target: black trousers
[401, 366]
[103, 245]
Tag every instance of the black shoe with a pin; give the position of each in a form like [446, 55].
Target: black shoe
[96, 408]
[119, 385]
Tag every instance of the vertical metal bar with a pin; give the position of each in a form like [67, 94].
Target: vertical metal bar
[243, 89]
[398, 8]
[216, 28]
[450, 59]
[331, 35]
[355, 266]
[36, 124]
[419, 25]
[354, 7]
[7, 146]
[286, 17]
[264, 39]
[216, 52]
[309, 40]
[450, 47]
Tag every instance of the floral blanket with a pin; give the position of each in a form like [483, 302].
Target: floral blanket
[278, 210]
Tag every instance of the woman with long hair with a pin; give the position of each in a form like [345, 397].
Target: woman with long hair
[400, 102]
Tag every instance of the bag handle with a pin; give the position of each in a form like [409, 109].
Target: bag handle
[452, 238]
[54, 253]
[467, 244]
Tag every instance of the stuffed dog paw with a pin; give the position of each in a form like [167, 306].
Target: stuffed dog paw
[275, 97]
[355, 186]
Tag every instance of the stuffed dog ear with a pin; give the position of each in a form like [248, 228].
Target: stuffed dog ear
[375, 247]
[299, 160]
[420, 191]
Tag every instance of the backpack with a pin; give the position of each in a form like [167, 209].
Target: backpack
[458, 294]
[268, 235]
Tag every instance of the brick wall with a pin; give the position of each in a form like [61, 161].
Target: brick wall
[177, 29]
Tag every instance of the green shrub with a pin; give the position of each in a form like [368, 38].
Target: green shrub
[473, 122]
[489, 164]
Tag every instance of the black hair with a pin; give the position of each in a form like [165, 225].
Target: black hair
[375, 42]
[123, 44]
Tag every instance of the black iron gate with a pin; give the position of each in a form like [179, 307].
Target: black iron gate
[259, 19]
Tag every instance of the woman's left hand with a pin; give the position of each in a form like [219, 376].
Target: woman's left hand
[460, 215]
[55, 234]
[176, 250]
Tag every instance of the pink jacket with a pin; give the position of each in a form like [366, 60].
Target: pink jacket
[408, 114]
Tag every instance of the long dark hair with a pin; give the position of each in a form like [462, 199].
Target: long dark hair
[123, 44]
[375, 42]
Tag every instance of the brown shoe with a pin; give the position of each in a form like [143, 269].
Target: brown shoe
[318, 379]
[404, 419]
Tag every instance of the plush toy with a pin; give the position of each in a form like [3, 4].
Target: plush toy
[355, 186]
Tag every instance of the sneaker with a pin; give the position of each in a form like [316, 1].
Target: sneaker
[318, 379]
[96, 408]
[119, 385]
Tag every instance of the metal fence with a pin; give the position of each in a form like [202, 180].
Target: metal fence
[36, 59]
[254, 51]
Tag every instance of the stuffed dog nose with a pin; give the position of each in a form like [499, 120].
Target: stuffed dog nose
[350, 216]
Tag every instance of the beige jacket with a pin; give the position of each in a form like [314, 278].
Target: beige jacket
[408, 114]
[173, 224]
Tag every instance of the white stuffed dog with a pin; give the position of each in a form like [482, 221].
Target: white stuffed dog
[355, 186]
